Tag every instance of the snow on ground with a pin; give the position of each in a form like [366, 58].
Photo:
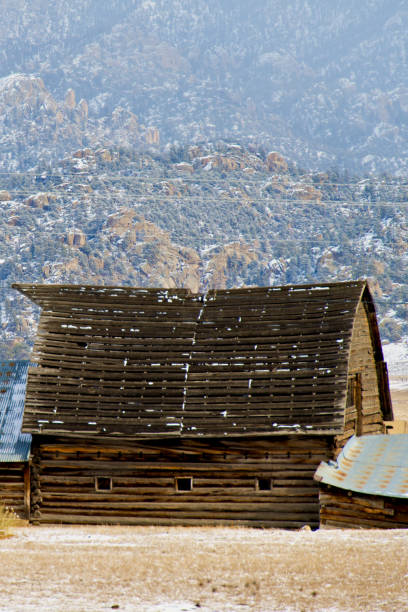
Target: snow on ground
[220, 569]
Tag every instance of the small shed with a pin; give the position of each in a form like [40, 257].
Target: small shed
[367, 486]
[14, 445]
[163, 406]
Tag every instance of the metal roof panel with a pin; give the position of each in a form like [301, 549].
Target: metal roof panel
[14, 445]
[376, 465]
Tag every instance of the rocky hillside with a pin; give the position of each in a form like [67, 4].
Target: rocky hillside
[199, 217]
[325, 83]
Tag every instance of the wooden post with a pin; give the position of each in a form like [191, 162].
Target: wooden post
[358, 403]
[385, 395]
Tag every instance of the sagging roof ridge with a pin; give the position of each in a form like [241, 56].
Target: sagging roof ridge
[29, 289]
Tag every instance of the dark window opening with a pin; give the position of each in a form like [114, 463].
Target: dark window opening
[103, 483]
[263, 484]
[184, 484]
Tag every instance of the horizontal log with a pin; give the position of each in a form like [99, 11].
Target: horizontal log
[248, 448]
[202, 482]
[339, 506]
[371, 502]
[11, 486]
[95, 328]
[188, 507]
[275, 491]
[212, 514]
[184, 451]
[289, 467]
[360, 521]
[50, 517]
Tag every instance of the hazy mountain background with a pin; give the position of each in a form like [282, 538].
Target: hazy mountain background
[325, 83]
[203, 144]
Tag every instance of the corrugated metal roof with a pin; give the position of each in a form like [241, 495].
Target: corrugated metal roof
[14, 445]
[376, 465]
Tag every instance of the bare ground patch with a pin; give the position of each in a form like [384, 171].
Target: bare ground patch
[213, 569]
[400, 403]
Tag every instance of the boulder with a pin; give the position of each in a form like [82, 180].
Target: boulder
[276, 163]
[152, 136]
[184, 167]
[5, 196]
[76, 238]
[70, 102]
[122, 221]
[39, 200]
[307, 193]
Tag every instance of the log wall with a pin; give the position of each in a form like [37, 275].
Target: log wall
[14, 487]
[254, 482]
[340, 508]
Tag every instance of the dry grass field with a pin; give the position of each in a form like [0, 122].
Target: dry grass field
[400, 403]
[153, 569]
[159, 569]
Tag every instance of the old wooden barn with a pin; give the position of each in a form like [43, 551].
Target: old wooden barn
[167, 407]
[367, 486]
[14, 445]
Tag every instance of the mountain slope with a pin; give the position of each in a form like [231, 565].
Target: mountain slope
[198, 217]
[324, 83]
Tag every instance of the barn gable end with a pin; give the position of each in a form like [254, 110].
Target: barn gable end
[368, 398]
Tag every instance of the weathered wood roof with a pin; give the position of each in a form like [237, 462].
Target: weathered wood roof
[154, 362]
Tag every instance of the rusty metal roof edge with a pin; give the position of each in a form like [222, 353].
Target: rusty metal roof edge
[373, 465]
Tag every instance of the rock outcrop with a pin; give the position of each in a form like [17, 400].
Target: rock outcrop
[4, 196]
[76, 238]
[276, 163]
